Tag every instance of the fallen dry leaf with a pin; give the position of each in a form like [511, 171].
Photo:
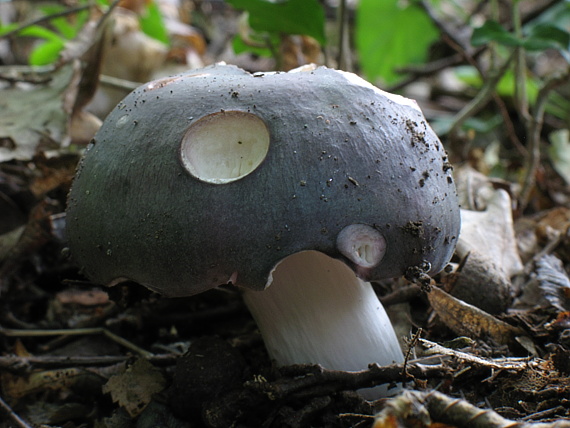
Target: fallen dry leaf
[556, 219]
[26, 129]
[134, 388]
[554, 282]
[491, 232]
[467, 320]
[480, 282]
[487, 242]
[16, 386]
[432, 409]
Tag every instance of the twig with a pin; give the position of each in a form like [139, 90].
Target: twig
[314, 380]
[534, 129]
[76, 332]
[433, 66]
[46, 18]
[516, 364]
[443, 25]
[411, 346]
[545, 414]
[341, 34]
[117, 83]
[481, 99]
[27, 364]
[520, 94]
[469, 54]
[509, 128]
[5, 408]
[416, 71]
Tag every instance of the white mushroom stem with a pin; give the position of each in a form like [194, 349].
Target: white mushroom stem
[316, 311]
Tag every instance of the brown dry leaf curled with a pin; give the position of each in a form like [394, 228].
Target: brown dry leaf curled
[433, 409]
[554, 282]
[467, 320]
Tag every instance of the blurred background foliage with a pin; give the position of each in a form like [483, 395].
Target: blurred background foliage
[490, 76]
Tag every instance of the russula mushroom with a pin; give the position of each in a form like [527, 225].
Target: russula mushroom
[303, 184]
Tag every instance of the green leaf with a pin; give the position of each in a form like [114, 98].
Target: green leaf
[305, 17]
[546, 36]
[558, 105]
[389, 36]
[559, 152]
[505, 87]
[7, 28]
[240, 46]
[61, 24]
[47, 52]
[492, 31]
[40, 33]
[152, 24]
[483, 125]
[540, 37]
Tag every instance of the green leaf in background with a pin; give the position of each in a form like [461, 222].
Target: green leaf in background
[152, 24]
[559, 152]
[67, 26]
[547, 36]
[506, 86]
[305, 17]
[47, 52]
[484, 125]
[7, 28]
[390, 35]
[558, 105]
[540, 37]
[492, 31]
[240, 46]
[40, 33]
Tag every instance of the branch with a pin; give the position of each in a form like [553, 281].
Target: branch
[5, 408]
[46, 18]
[534, 128]
[76, 332]
[307, 380]
[28, 364]
[481, 99]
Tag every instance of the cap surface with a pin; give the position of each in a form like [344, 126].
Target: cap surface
[160, 199]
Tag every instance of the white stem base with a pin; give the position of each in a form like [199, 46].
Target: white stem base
[316, 311]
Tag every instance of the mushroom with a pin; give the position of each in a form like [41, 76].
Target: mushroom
[297, 187]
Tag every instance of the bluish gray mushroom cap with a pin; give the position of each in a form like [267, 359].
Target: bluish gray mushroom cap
[340, 153]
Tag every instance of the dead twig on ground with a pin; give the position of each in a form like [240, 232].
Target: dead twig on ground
[6, 409]
[27, 364]
[76, 332]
